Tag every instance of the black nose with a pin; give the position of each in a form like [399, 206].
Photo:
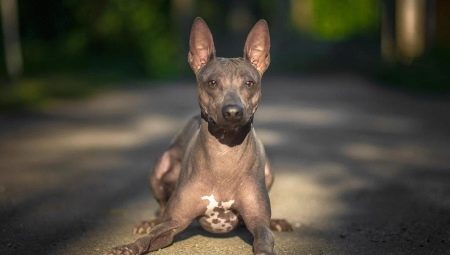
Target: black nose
[232, 112]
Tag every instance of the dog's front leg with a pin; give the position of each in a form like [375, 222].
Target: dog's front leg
[180, 212]
[159, 237]
[263, 238]
[254, 208]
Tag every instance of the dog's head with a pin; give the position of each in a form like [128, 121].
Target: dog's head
[229, 89]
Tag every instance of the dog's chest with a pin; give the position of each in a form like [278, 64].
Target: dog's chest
[218, 216]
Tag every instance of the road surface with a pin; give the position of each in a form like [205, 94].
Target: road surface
[360, 169]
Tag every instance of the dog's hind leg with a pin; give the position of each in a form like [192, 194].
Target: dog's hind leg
[164, 177]
[279, 225]
[162, 183]
[268, 175]
[167, 169]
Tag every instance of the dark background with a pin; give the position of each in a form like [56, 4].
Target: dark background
[72, 48]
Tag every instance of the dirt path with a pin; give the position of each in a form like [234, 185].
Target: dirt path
[360, 170]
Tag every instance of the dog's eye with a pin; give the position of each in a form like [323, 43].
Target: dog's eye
[249, 84]
[212, 84]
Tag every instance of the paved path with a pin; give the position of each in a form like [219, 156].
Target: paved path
[360, 170]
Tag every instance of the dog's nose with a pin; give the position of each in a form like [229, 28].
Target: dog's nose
[232, 112]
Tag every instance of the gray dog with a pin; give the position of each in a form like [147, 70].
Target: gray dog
[216, 168]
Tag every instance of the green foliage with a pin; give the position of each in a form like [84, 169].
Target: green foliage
[115, 34]
[148, 29]
[142, 37]
[336, 20]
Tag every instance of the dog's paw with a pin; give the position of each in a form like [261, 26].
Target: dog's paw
[145, 227]
[280, 225]
[123, 250]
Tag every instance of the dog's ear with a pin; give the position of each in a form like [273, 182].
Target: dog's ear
[257, 46]
[201, 45]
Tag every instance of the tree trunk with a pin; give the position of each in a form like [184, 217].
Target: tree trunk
[410, 28]
[11, 38]
[388, 49]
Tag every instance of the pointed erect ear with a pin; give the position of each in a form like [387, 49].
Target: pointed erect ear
[257, 46]
[201, 45]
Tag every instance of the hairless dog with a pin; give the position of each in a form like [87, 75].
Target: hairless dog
[216, 169]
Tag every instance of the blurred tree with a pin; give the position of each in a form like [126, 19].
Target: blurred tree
[144, 26]
[388, 31]
[11, 38]
[442, 23]
[407, 29]
[410, 28]
[133, 36]
[335, 20]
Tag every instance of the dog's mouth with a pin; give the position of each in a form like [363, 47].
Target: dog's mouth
[208, 119]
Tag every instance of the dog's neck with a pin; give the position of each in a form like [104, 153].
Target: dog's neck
[226, 139]
[227, 136]
[224, 155]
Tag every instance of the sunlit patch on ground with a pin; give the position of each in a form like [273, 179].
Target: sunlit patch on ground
[352, 174]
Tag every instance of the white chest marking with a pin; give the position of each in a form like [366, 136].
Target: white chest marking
[219, 215]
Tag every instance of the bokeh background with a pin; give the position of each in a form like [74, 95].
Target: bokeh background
[355, 118]
[58, 49]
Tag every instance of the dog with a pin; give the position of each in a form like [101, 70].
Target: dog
[216, 169]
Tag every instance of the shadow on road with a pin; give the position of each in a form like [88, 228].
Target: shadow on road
[360, 170]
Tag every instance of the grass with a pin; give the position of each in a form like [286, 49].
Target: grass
[35, 93]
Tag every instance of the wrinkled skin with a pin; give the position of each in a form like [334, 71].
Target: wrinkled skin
[216, 169]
